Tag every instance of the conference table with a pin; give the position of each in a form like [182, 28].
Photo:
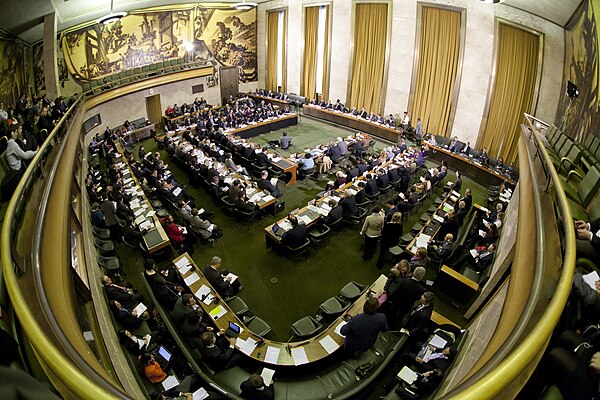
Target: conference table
[155, 238]
[354, 122]
[261, 349]
[271, 100]
[258, 128]
[468, 166]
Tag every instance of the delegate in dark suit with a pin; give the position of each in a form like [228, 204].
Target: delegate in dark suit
[402, 299]
[254, 389]
[418, 321]
[349, 206]
[215, 278]
[262, 159]
[296, 236]
[334, 215]
[362, 330]
[219, 358]
[265, 184]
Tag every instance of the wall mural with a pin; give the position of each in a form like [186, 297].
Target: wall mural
[13, 71]
[581, 68]
[221, 36]
[39, 81]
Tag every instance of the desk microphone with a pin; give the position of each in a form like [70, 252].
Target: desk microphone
[288, 348]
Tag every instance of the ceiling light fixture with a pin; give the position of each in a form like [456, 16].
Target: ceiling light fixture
[112, 17]
[244, 5]
[492, 1]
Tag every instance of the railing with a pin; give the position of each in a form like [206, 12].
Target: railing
[517, 361]
[77, 382]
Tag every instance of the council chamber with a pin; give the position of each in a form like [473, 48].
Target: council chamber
[300, 200]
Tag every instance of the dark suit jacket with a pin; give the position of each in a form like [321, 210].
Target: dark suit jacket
[360, 196]
[244, 206]
[249, 392]
[296, 236]
[407, 292]
[418, 322]
[371, 187]
[362, 331]
[179, 313]
[349, 206]
[461, 213]
[594, 228]
[265, 184]
[120, 295]
[383, 180]
[165, 296]
[334, 152]
[335, 214]
[127, 320]
[485, 261]
[216, 357]
[215, 278]
[390, 235]
[262, 159]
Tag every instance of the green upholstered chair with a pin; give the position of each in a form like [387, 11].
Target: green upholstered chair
[305, 327]
[104, 246]
[334, 306]
[237, 305]
[258, 326]
[352, 290]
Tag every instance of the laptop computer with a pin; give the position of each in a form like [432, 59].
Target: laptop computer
[233, 330]
[277, 230]
[163, 357]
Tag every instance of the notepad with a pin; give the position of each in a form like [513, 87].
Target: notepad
[200, 394]
[170, 382]
[407, 375]
[204, 290]
[272, 355]
[437, 341]
[339, 328]
[176, 191]
[329, 344]
[217, 312]
[591, 279]
[191, 279]
[246, 346]
[139, 309]
[267, 375]
[299, 356]
[183, 261]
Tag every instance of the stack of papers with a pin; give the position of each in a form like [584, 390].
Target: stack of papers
[438, 218]
[139, 309]
[437, 341]
[170, 382]
[183, 261]
[407, 375]
[272, 355]
[190, 280]
[423, 240]
[591, 279]
[339, 327]
[217, 312]
[299, 356]
[267, 375]
[199, 394]
[329, 344]
[204, 290]
[246, 346]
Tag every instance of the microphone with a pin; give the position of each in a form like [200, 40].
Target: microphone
[288, 347]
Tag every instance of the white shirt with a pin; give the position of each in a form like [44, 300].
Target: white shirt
[14, 154]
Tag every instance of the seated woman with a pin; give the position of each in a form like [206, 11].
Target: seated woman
[152, 369]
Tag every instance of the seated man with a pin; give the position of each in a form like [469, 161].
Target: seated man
[218, 356]
[124, 294]
[436, 359]
[208, 230]
[285, 141]
[185, 305]
[417, 325]
[306, 164]
[254, 388]
[296, 236]
[480, 260]
[335, 214]
[242, 204]
[265, 184]
[348, 203]
[362, 330]
[225, 285]
[588, 239]
[439, 251]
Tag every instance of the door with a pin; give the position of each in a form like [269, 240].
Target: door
[229, 82]
[154, 109]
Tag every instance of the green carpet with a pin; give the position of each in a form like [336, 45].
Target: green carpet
[273, 289]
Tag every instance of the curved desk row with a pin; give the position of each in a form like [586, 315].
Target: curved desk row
[271, 352]
[354, 122]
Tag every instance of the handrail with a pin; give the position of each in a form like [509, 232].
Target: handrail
[78, 383]
[516, 362]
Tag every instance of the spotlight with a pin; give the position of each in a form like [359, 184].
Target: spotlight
[112, 17]
[244, 5]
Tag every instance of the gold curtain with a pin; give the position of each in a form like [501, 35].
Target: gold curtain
[514, 87]
[272, 36]
[369, 56]
[311, 31]
[439, 52]
[325, 56]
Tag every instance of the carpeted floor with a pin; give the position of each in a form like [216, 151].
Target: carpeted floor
[273, 288]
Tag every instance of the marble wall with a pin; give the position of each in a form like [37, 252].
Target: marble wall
[477, 62]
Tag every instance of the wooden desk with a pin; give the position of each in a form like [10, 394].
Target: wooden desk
[140, 133]
[468, 167]
[267, 99]
[156, 238]
[455, 285]
[289, 167]
[314, 350]
[361, 124]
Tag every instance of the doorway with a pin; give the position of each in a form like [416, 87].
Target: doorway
[228, 77]
[154, 109]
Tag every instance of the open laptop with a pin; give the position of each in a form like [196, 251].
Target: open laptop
[277, 230]
[163, 357]
[233, 330]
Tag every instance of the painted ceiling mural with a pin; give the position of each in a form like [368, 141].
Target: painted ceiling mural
[13, 67]
[220, 36]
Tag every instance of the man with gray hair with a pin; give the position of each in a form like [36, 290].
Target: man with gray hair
[222, 281]
[402, 299]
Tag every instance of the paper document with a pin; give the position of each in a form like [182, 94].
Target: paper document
[485, 210]
[473, 253]
[407, 375]
[138, 212]
[208, 299]
[272, 355]
[274, 181]
[150, 214]
[448, 207]
[200, 394]
[268, 198]
[339, 327]
[202, 291]
[141, 218]
[329, 344]
[437, 341]
[438, 218]
[176, 191]
[455, 193]
[217, 312]
[591, 279]
[183, 261]
[184, 270]
[267, 375]
[139, 309]
[146, 225]
[299, 356]
[246, 346]
[323, 212]
[191, 279]
[170, 382]
[232, 276]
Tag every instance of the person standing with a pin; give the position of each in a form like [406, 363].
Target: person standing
[362, 330]
[390, 236]
[419, 131]
[371, 230]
